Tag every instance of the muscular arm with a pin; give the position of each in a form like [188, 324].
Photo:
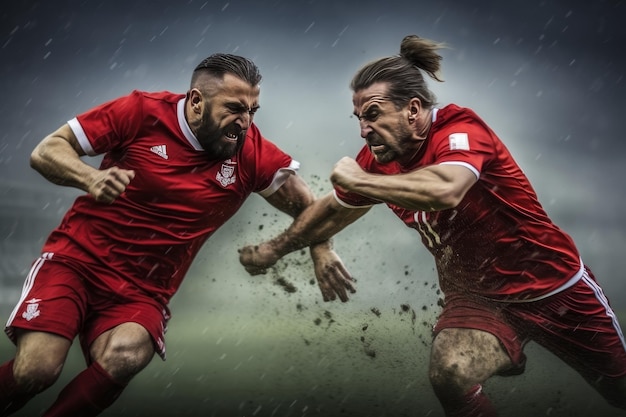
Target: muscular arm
[292, 197]
[313, 227]
[58, 158]
[432, 188]
[318, 222]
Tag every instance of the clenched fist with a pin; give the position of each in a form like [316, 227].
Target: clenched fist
[109, 184]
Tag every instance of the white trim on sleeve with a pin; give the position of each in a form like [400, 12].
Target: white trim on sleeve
[280, 177]
[346, 205]
[81, 136]
[463, 164]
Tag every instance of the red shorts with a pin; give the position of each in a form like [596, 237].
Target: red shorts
[577, 324]
[60, 299]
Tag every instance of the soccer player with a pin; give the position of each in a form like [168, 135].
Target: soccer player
[508, 273]
[176, 167]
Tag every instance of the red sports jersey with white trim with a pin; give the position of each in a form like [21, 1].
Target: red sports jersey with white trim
[498, 242]
[149, 236]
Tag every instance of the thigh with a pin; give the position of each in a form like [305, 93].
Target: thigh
[39, 355]
[53, 300]
[479, 323]
[133, 320]
[473, 355]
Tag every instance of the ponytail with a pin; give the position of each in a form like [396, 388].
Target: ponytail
[423, 54]
[403, 72]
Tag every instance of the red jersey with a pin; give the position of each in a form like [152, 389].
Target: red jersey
[180, 196]
[498, 242]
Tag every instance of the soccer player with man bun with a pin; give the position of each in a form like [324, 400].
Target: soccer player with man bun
[508, 273]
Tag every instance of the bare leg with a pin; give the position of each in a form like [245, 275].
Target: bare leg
[118, 355]
[461, 360]
[123, 351]
[39, 359]
[38, 362]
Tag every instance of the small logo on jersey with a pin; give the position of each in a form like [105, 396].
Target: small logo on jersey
[32, 309]
[459, 141]
[226, 174]
[160, 150]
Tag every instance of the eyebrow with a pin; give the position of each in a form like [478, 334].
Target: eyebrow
[367, 109]
[241, 106]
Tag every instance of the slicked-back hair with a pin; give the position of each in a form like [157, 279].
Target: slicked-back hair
[219, 64]
[403, 72]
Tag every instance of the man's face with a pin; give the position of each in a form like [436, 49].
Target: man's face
[226, 116]
[384, 127]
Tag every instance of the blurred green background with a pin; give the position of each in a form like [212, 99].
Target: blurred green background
[287, 353]
[545, 75]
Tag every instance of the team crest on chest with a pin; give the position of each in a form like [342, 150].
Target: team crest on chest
[226, 174]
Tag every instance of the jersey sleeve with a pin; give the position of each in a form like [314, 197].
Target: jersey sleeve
[110, 125]
[467, 141]
[272, 165]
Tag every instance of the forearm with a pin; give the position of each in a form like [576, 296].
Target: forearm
[400, 190]
[57, 161]
[315, 226]
[298, 236]
[431, 188]
[321, 247]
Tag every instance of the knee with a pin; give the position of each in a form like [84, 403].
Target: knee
[448, 376]
[35, 376]
[123, 361]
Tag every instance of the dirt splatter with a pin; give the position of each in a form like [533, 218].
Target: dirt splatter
[367, 348]
[286, 285]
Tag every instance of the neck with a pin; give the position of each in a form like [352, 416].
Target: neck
[424, 123]
[422, 128]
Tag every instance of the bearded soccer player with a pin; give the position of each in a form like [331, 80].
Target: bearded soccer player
[508, 273]
[176, 167]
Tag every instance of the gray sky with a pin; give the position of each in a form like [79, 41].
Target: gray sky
[547, 75]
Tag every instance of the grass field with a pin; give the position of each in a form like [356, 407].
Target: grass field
[316, 360]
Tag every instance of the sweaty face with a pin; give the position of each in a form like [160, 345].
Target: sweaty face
[227, 114]
[384, 127]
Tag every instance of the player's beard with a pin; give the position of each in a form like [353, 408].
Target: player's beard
[213, 138]
[395, 150]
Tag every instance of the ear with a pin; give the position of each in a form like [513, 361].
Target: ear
[414, 107]
[196, 100]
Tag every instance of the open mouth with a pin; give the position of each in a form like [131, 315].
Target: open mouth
[378, 148]
[231, 136]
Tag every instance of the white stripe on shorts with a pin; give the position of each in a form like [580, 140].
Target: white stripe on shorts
[28, 283]
[605, 302]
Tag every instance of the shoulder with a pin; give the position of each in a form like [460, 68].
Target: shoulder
[455, 119]
[160, 96]
[255, 140]
[454, 113]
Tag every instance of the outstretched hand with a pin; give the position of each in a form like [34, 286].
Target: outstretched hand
[333, 278]
[257, 258]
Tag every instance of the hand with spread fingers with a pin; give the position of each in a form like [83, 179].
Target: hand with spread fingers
[333, 279]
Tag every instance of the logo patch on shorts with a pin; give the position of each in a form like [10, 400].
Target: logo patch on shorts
[32, 309]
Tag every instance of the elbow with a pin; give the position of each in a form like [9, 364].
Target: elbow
[40, 155]
[446, 198]
[36, 158]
